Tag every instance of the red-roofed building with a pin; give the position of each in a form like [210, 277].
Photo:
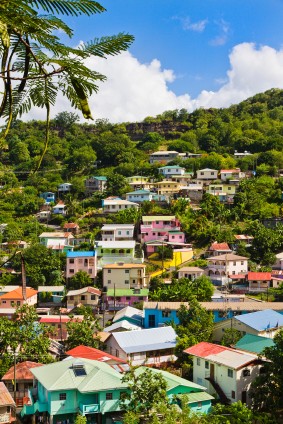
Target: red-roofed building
[59, 325]
[18, 297]
[225, 371]
[219, 249]
[24, 380]
[71, 227]
[87, 352]
[231, 174]
[259, 281]
[7, 406]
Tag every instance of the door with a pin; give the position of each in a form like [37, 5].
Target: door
[244, 396]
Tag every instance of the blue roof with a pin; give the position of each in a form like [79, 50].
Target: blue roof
[146, 340]
[80, 254]
[253, 343]
[100, 178]
[262, 320]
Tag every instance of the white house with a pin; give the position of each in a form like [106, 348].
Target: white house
[231, 174]
[65, 187]
[163, 156]
[152, 346]
[191, 272]
[60, 208]
[225, 371]
[140, 196]
[169, 170]
[113, 205]
[221, 267]
[207, 174]
[117, 232]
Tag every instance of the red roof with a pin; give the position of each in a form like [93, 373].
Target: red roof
[219, 246]
[70, 225]
[54, 320]
[92, 353]
[229, 170]
[205, 349]
[259, 276]
[22, 371]
[237, 276]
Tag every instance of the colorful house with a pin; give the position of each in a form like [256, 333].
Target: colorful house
[216, 249]
[124, 276]
[259, 282]
[64, 188]
[60, 208]
[48, 196]
[152, 346]
[207, 174]
[225, 192]
[163, 156]
[109, 252]
[58, 324]
[161, 228]
[254, 344]
[170, 170]
[114, 205]
[87, 296]
[231, 174]
[130, 314]
[52, 294]
[140, 196]
[59, 240]
[190, 272]
[76, 385]
[117, 232]
[94, 354]
[81, 261]
[138, 182]
[95, 183]
[220, 268]
[21, 373]
[225, 371]
[167, 187]
[18, 297]
[115, 299]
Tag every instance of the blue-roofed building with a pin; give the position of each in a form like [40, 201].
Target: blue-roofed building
[264, 323]
[149, 347]
[81, 261]
[48, 196]
[140, 196]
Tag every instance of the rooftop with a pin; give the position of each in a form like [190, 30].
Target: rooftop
[106, 227]
[56, 234]
[87, 352]
[220, 246]
[254, 344]
[50, 289]
[146, 340]
[22, 371]
[122, 265]
[18, 294]
[5, 397]
[259, 276]
[88, 289]
[152, 218]
[227, 257]
[129, 312]
[262, 320]
[127, 292]
[190, 269]
[222, 355]
[123, 324]
[81, 254]
[122, 244]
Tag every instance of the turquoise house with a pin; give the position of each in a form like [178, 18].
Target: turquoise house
[76, 386]
[52, 294]
[177, 388]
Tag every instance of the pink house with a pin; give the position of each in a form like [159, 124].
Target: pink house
[81, 261]
[161, 228]
[19, 297]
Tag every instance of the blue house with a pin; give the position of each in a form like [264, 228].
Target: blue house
[48, 196]
[52, 294]
[140, 196]
[157, 314]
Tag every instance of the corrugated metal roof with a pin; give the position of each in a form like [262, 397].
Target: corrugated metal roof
[87, 352]
[123, 324]
[129, 312]
[259, 276]
[152, 218]
[221, 355]
[227, 257]
[123, 244]
[146, 340]
[84, 290]
[106, 227]
[50, 289]
[262, 320]
[18, 294]
[219, 246]
[5, 397]
[22, 371]
[81, 254]
[218, 306]
[127, 292]
[254, 344]
[191, 269]
[60, 376]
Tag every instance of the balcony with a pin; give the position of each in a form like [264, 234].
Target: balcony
[89, 409]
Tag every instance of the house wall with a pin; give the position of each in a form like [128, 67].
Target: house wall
[16, 302]
[168, 172]
[139, 197]
[235, 383]
[207, 174]
[85, 263]
[192, 275]
[160, 317]
[176, 237]
[124, 278]
[122, 301]
[87, 299]
[117, 234]
[200, 407]
[117, 207]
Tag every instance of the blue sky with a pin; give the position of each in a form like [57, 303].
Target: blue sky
[187, 53]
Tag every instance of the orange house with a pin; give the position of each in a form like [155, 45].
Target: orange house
[18, 297]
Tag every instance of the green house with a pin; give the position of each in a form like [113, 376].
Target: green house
[76, 386]
[177, 387]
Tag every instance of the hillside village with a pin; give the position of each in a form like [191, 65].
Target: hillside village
[175, 268]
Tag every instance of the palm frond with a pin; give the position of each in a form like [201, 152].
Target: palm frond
[108, 46]
[69, 7]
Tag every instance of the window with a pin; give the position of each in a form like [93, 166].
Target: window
[109, 282]
[119, 233]
[117, 353]
[92, 297]
[234, 263]
[109, 396]
[71, 297]
[71, 261]
[62, 396]
[246, 373]
[202, 173]
[4, 301]
[83, 297]
[127, 271]
[233, 394]
[18, 303]
[166, 313]
[72, 271]
[109, 271]
[198, 361]
[199, 405]
[229, 188]
[206, 365]
[230, 373]
[127, 281]
[242, 262]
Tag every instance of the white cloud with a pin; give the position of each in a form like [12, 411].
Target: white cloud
[135, 90]
[222, 38]
[194, 26]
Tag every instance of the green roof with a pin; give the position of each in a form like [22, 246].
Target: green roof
[197, 396]
[127, 292]
[60, 376]
[253, 343]
[172, 380]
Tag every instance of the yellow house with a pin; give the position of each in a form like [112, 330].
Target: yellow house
[167, 187]
[124, 276]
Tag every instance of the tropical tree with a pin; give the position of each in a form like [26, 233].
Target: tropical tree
[82, 332]
[36, 65]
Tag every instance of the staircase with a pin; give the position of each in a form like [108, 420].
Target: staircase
[223, 398]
